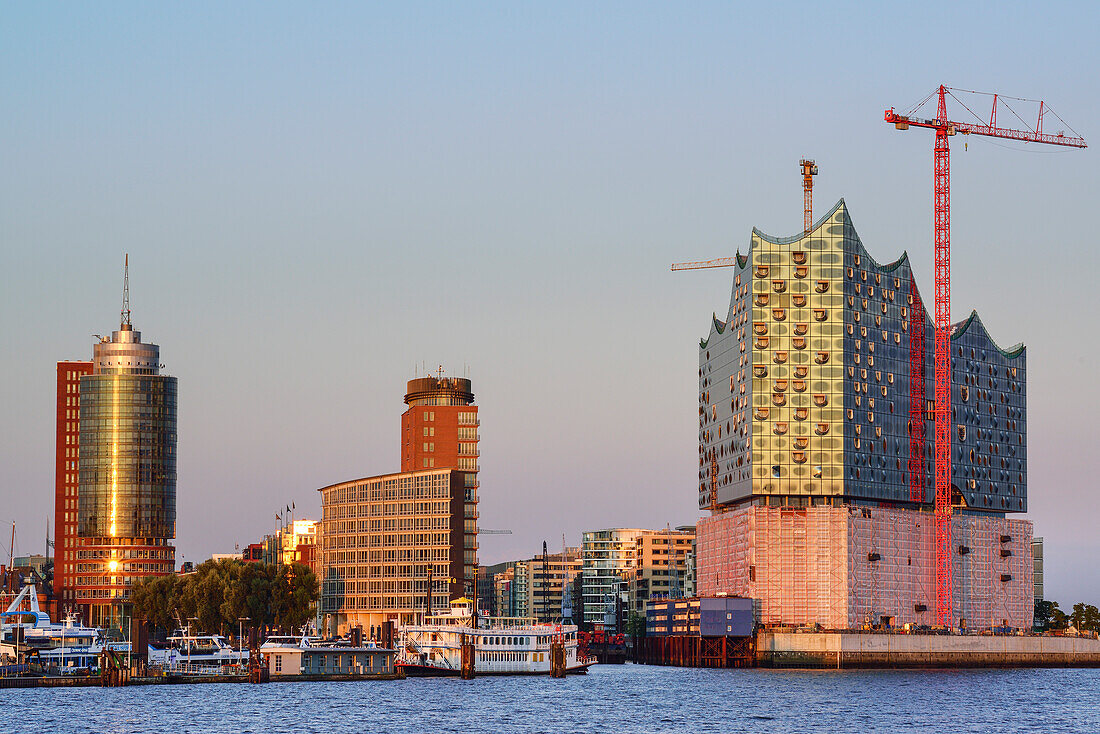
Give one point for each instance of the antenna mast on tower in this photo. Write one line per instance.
(126, 292)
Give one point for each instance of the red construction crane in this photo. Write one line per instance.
(809, 170)
(944, 129)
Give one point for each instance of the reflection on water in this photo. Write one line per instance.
(628, 698)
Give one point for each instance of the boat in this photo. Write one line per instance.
(63, 647)
(188, 653)
(309, 655)
(501, 645)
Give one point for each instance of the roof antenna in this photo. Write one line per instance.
(126, 294)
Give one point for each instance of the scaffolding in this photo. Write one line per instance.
(849, 567)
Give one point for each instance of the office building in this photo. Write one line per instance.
(658, 567)
(126, 503)
(606, 558)
(548, 577)
(384, 539)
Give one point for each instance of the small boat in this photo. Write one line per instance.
(501, 645)
(185, 653)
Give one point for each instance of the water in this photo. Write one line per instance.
(613, 699)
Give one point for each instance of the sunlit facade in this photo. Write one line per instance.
(816, 444)
(804, 388)
(127, 495)
(383, 539)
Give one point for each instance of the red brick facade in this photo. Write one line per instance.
(439, 437)
(67, 480)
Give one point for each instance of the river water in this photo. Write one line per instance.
(623, 698)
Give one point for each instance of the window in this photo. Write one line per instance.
(278, 663)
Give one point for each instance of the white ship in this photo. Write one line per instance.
(502, 645)
(198, 654)
(67, 645)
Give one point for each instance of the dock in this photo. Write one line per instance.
(856, 649)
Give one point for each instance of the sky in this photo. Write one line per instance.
(321, 201)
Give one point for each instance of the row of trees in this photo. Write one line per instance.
(219, 593)
(1082, 616)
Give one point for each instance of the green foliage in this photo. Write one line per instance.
(219, 593)
(635, 625)
(1085, 616)
(1082, 616)
(1044, 614)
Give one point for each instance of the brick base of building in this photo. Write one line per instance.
(844, 567)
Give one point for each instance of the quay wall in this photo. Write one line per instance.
(870, 650)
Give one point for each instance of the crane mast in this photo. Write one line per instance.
(809, 170)
(944, 129)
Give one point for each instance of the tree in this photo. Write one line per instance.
(1044, 614)
(1058, 620)
(155, 600)
(219, 593)
(1085, 616)
(635, 625)
(293, 592)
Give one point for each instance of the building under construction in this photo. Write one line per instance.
(816, 445)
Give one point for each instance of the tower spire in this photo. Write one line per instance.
(126, 294)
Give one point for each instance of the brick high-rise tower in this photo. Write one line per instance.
(440, 431)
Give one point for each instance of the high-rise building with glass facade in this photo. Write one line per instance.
(816, 443)
(126, 514)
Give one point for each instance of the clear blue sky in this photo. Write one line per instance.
(315, 199)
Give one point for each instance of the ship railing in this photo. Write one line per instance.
(185, 668)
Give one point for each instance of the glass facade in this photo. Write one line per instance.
(127, 456)
(804, 389)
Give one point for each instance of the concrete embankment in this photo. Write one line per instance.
(876, 650)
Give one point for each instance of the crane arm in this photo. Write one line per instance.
(722, 262)
(902, 122)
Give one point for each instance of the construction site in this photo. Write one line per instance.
(864, 458)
